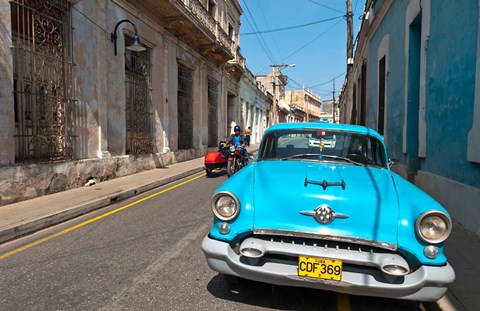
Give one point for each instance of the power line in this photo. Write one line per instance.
(265, 49)
(355, 8)
(320, 84)
(265, 19)
(91, 20)
(292, 27)
(310, 42)
(259, 37)
(295, 82)
(322, 5)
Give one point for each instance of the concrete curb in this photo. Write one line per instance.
(447, 303)
(20, 230)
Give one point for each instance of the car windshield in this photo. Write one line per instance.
(323, 145)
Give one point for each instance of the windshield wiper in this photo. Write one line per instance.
(342, 158)
(319, 157)
(301, 155)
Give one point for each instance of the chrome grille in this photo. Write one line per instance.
(354, 256)
(323, 243)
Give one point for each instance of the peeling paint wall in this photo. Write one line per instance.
(254, 107)
(7, 125)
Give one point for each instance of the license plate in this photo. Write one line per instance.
(320, 268)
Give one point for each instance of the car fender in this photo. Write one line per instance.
(412, 202)
(241, 185)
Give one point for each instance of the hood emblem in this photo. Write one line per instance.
(323, 214)
(325, 183)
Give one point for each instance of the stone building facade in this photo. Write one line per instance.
(80, 101)
(255, 105)
(305, 106)
(275, 83)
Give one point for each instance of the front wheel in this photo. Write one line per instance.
(230, 168)
(239, 164)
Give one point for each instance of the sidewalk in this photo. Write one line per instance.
(31, 215)
(463, 253)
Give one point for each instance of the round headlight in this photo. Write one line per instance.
(434, 226)
(225, 205)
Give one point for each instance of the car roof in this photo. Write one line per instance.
(325, 126)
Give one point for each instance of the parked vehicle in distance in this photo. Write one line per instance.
(333, 218)
(327, 141)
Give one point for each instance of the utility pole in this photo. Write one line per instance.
(274, 105)
(334, 108)
(307, 110)
(349, 91)
(276, 72)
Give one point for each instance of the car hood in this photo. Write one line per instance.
(285, 199)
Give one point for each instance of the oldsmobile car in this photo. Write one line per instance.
(335, 218)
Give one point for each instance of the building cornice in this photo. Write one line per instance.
(379, 16)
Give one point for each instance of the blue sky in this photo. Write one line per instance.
(318, 50)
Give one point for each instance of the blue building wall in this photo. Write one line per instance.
(450, 89)
(393, 25)
(449, 92)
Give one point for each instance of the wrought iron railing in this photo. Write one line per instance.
(207, 20)
(138, 101)
(45, 108)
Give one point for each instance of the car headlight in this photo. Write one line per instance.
(225, 205)
(434, 226)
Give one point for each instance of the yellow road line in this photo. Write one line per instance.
(343, 302)
(47, 238)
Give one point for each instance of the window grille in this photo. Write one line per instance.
(138, 101)
(44, 105)
(185, 107)
(212, 113)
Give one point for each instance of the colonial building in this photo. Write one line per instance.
(275, 83)
(305, 106)
(105, 88)
(255, 105)
(416, 80)
(328, 112)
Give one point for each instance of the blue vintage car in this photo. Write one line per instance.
(331, 216)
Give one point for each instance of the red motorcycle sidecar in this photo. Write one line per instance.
(216, 159)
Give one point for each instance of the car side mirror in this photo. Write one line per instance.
(392, 162)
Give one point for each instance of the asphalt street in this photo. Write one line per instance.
(144, 254)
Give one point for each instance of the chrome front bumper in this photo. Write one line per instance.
(428, 283)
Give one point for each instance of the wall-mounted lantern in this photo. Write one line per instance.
(136, 46)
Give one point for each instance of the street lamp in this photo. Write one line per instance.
(136, 46)
(276, 68)
(281, 66)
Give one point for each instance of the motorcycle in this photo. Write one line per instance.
(236, 160)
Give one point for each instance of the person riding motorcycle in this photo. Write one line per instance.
(238, 140)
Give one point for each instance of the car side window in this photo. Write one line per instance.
(268, 150)
(374, 152)
(378, 154)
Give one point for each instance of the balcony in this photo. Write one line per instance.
(190, 21)
(236, 66)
